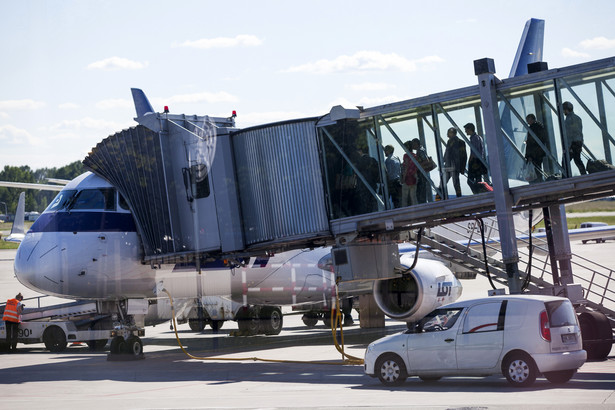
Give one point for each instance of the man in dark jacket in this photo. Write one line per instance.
(533, 150)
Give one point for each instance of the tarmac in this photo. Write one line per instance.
(168, 379)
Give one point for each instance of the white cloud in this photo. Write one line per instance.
(567, 52)
(598, 43)
(86, 123)
(117, 63)
(68, 106)
(4, 115)
(258, 118)
(113, 103)
(221, 96)
(223, 42)
(25, 104)
(370, 86)
(364, 61)
(365, 101)
(16, 136)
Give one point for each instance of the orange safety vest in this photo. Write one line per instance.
(11, 313)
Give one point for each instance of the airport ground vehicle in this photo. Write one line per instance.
(519, 336)
(593, 225)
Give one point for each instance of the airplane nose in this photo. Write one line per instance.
(34, 265)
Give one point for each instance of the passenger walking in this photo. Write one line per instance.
(12, 319)
(422, 185)
(409, 180)
(533, 151)
(574, 134)
(393, 167)
(476, 167)
(455, 157)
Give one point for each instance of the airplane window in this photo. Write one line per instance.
(61, 200)
(95, 199)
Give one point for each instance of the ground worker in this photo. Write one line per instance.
(12, 318)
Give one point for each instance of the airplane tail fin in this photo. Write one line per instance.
(530, 47)
(20, 216)
(142, 104)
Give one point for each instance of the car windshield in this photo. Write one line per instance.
(561, 313)
(438, 320)
(61, 200)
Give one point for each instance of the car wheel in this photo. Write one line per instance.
(428, 379)
(520, 370)
(584, 241)
(54, 339)
(391, 370)
(559, 377)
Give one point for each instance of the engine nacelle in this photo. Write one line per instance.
(411, 296)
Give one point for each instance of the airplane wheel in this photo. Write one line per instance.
(596, 326)
(117, 345)
(196, 325)
(271, 320)
(133, 346)
(216, 325)
(310, 319)
(54, 339)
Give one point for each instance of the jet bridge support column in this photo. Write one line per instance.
(485, 70)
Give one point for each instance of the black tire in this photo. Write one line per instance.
(430, 379)
(271, 320)
(519, 369)
(310, 319)
(596, 326)
(133, 346)
(99, 344)
(196, 325)
(248, 322)
(117, 345)
(216, 325)
(584, 241)
(54, 339)
(559, 377)
(391, 370)
(326, 319)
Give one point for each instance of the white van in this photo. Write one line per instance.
(516, 335)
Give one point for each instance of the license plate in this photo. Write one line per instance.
(569, 338)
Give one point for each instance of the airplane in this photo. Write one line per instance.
(18, 229)
(85, 246)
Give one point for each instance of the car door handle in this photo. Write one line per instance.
(449, 340)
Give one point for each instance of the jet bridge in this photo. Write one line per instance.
(200, 188)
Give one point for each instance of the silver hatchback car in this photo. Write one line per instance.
(519, 336)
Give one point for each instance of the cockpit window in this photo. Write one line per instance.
(61, 200)
(102, 198)
(123, 203)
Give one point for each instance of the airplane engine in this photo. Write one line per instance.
(412, 295)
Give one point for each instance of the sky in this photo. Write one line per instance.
(66, 67)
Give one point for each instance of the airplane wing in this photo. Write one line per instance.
(26, 185)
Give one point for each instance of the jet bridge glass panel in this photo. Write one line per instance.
(550, 144)
(353, 161)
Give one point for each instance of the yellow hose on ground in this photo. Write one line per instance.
(352, 361)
